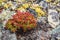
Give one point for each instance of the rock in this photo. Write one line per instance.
(53, 18)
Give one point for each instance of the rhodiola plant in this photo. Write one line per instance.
(24, 20)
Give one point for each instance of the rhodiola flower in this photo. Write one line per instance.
(24, 20)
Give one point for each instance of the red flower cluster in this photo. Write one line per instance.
(24, 20)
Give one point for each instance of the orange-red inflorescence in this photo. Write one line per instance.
(24, 20)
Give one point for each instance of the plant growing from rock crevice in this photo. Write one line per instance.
(24, 20)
